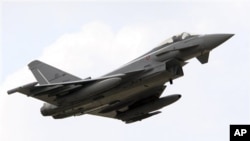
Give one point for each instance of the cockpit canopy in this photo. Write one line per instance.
(176, 38)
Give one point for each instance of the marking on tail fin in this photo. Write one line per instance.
(43, 76)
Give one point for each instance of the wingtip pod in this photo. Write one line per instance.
(12, 91)
(22, 89)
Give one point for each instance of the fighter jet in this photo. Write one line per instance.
(130, 93)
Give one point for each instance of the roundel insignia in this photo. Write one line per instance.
(147, 57)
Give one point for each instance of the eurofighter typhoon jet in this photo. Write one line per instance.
(130, 93)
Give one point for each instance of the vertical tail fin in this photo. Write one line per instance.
(46, 74)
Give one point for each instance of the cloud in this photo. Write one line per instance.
(94, 47)
(209, 91)
(92, 51)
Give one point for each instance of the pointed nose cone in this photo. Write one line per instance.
(214, 40)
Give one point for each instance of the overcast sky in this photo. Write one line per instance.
(93, 38)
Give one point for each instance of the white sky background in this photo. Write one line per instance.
(93, 38)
